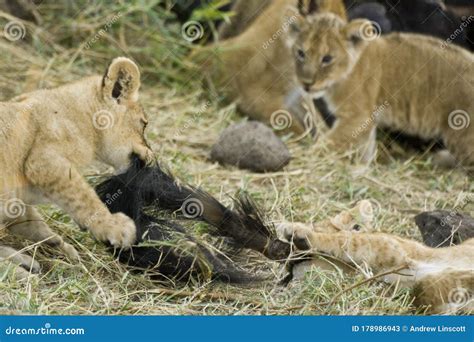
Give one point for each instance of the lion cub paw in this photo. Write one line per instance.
(298, 233)
(119, 231)
(70, 251)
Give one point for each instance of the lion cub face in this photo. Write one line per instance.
(121, 121)
(325, 49)
(356, 220)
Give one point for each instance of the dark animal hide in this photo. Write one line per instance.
(428, 17)
(167, 248)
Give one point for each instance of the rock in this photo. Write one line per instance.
(251, 145)
(443, 228)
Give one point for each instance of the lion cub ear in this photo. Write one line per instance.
(360, 32)
(121, 81)
(294, 24)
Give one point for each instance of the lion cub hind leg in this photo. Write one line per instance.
(32, 227)
(447, 292)
(62, 184)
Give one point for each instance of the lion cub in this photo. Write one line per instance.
(406, 82)
(443, 278)
(255, 67)
(46, 135)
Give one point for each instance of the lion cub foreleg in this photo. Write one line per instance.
(32, 227)
(58, 181)
(356, 125)
(356, 134)
(377, 251)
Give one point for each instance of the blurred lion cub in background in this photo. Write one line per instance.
(410, 83)
(255, 68)
(45, 135)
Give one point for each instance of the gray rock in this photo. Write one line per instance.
(251, 145)
(442, 228)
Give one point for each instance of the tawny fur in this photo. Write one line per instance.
(256, 69)
(442, 278)
(47, 135)
(244, 14)
(405, 82)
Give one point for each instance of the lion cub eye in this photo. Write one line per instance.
(357, 227)
(326, 60)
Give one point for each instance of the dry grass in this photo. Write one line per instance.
(314, 186)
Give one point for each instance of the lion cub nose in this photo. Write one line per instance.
(307, 86)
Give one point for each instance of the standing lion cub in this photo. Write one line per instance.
(255, 68)
(405, 82)
(46, 135)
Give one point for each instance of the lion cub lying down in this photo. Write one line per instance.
(46, 135)
(443, 278)
(415, 84)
